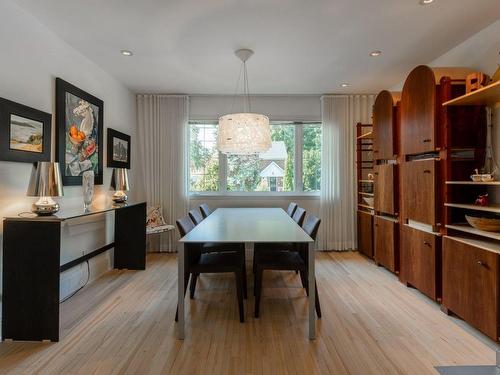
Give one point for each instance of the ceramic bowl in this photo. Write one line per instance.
(476, 177)
(484, 223)
(486, 177)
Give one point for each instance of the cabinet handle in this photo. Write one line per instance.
(375, 151)
(427, 140)
(427, 171)
(376, 173)
(427, 243)
(480, 263)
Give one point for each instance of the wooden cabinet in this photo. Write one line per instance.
(420, 191)
(386, 239)
(419, 130)
(385, 191)
(384, 127)
(365, 233)
(470, 284)
(421, 261)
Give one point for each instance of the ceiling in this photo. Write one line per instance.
(301, 47)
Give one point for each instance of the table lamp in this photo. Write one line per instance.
(45, 182)
(119, 183)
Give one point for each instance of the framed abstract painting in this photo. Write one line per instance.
(79, 119)
(118, 149)
(25, 133)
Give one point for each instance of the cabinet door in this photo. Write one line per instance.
(420, 260)
(470, 286)
(418, 112)
(385, 243)
(418, 187)
(383, 126)
(385, 194)
(365, 233)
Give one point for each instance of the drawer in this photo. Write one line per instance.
(384, 188)
(419, 191)
(470, 284)
(421, 261)
(385, 240)
(365, 233)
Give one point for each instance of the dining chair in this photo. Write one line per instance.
(299, 215)
(205, 210)
(195, 216)
(291, 208)
(288, 261)
(196, 262)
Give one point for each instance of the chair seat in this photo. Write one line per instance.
(280, 260)
(218, 262)
(221, 247)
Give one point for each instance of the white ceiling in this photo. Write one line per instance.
(301, 46)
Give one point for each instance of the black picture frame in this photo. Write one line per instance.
(93, 141)
(112, 160)
(9, 109)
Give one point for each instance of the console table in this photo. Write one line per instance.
(31, 266)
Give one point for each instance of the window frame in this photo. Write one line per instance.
(298, 169)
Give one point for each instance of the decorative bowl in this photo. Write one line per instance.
(484, 223)
(476, 177)
(368, 201)
(487, 177)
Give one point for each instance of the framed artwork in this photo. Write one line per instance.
(25, 133)
(118, 149)
(79, 119)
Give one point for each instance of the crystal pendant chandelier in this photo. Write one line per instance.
(244, 133)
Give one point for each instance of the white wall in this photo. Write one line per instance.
(31, 58)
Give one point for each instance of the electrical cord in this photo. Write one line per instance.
(80, 288)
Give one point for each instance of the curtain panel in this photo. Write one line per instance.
(163, 140)
(340, 113)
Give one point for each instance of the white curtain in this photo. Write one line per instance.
(340, 113)
(163, 135)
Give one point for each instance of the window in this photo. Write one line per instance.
(295, 151)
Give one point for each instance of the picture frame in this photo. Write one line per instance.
(25, 133)
(118, 149)
(79, 135)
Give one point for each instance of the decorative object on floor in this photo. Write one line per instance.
(244, 133)
(119, 183)
(156, 225)
(482, 200)
(87, 189)
(488, 224)
(79, 118)
(25, 133)
(475, 81)
(118, 149)
(45, 182)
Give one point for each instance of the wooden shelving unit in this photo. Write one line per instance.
(479, 183)
(466, 228)
(485, 96)
(473, 207)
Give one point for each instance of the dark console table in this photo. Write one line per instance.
(31, 266)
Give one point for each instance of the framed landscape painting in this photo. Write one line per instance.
(79, 118)
(118, 153)
(25, 133)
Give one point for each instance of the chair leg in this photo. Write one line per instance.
(244, 275)
(186, 280)
(258, 290)
(318, 307)
(303, 279)
(192, 285)
(239, 292)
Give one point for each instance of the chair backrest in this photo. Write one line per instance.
(299, 215)
(311, 226)
(195, 216)
(291, 208)
(185, 225)
(205, 210)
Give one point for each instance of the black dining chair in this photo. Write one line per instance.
(205, 210)
(291, 208)
(288, 261)
(195, 216)
(196, 262)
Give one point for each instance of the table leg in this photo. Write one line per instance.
(312, 292)
(180, 291)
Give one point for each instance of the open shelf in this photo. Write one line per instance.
(366, 194)
(466, 228)
(472, 183)
(366, 181)
(366, 136)
(488, 95)
(365, 206)
(492, 208)
(482, 244)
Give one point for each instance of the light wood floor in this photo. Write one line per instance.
(372, 324)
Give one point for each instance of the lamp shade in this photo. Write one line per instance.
(119, 179)
(244, 134)
(45, 180)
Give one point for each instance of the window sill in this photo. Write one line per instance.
(256, 195)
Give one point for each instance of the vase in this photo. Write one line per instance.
(88, 189)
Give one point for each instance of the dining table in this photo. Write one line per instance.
(248, 226)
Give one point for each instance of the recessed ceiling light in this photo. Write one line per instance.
(426, 2)
(375, 53)
(126, 52)
(344, 84)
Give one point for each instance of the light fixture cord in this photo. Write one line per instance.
(236, 89)
(247, 88)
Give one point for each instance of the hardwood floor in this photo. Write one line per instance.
(123, 323)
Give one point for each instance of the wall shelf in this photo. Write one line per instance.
(493, 208)
(488, 95)
(366, 181)
(466, 228)
(485, 245)
(366, 194)
(365, 136)
(491, 183)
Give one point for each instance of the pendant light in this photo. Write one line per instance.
(244, 133)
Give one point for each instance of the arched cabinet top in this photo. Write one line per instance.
(384, 126)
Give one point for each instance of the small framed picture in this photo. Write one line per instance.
(118, 149)
(25, 133)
